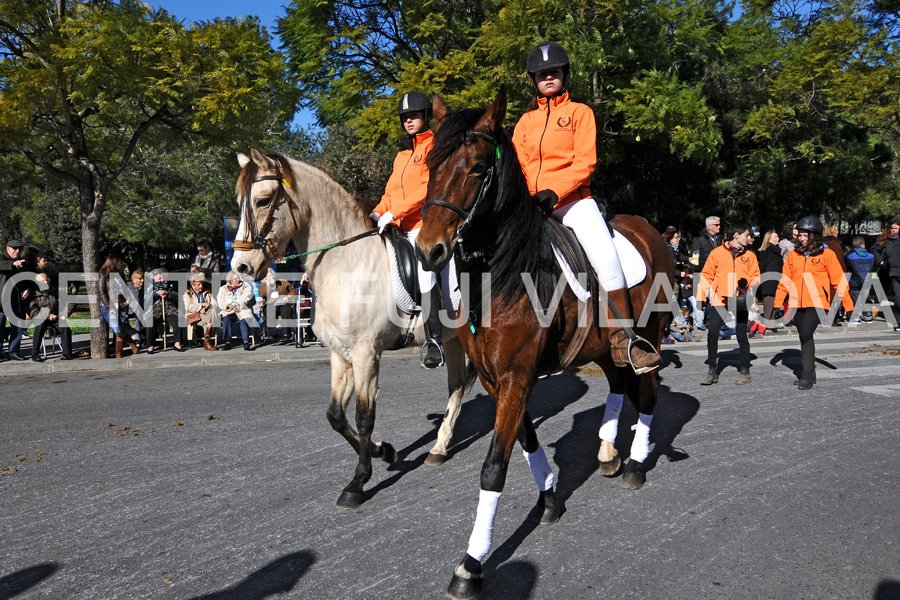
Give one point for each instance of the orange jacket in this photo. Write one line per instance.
(809, 280)
(557, 148)
(404, 193)
(723, 270)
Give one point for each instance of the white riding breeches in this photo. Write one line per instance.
(585, 219)
(427, 279)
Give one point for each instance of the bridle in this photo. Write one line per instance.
(260, 240)
(468, 215)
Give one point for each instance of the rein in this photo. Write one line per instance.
(468, 215)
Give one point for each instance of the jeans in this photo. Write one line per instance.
(228, 322)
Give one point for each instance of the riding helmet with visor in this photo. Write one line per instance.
(812, 224)
(548, 55)
(414, 102)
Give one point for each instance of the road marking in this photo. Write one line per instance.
(889, 391)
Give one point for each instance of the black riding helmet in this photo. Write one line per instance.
(414, 102)
(812, 224)
(548, 55)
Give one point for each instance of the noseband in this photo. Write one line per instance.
(260, 239)
(468, 215)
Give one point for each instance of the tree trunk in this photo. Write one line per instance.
(90, 243)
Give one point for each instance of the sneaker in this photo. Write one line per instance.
(711, 378)
(667, 340)
(743, 379)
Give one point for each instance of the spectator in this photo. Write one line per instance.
(112, 308)
(235, 301)
(43, 309)
(860, 262)
(200, 308)
(888, 236)
(771, 262)
(705, 243)
(788, 238)
(681, 328)
(206, 260)
(133, 307)
(277, 293)
(165, 310)
(891, 264)
(809, 299)
(683, 279)
(304, 310)
(830, 238)
(12, 262)
(730, 274)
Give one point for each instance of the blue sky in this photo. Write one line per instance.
(205, 10)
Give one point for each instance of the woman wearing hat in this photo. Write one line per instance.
(810, 276)
(13, 262)
(556, 142)
(402, 204)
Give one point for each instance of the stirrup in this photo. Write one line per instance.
(424, 349)
(639, 340)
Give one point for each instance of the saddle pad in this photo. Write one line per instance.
(633, 265)
(404, 301)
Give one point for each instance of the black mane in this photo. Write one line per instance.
(512, 233)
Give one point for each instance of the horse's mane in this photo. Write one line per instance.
(513, 233)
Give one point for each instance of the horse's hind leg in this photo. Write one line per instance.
(541, 470)
(455, 359)
(608, 457)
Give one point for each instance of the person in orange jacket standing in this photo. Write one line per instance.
(556, 143)
(810, 276)
(402, 203)
(730, 274)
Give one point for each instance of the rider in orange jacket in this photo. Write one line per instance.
(556, 142)
(731, 271)
(811, 274)
(402, 203)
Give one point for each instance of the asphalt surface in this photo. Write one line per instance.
(166, 476)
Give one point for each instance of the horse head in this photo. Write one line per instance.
(462, 167)
(269, 214)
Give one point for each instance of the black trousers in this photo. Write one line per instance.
(717, 315)
(806, 320)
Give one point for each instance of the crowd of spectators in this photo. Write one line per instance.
(203, 308)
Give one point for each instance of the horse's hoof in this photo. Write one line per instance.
(611, 468)
(388, 454)
(549, 508)
(350, 499)
(433, 460)
(633, 478)
(465, 585)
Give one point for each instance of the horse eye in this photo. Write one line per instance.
(263, 202)
(478, 169)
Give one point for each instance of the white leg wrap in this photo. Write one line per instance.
(611, 417)
(483, 530)
(640, 447)
(540, 468)
(585, 219)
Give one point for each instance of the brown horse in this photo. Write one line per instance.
(480, 211)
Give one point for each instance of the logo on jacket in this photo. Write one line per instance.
(745, 259)
(418, 158)
(816, 260)
(564, 121)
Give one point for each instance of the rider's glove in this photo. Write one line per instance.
(545, 201)
(384, 220)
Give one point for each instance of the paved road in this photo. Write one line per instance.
(219, 481)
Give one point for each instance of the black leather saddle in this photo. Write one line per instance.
(406, 261)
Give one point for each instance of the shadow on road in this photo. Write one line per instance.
(277, 577)
(15, 583)
(511, 581)
(791, 358)
(888, 589)
(673, 411)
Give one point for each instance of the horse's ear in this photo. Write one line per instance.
(439, 109)
(493, 117)
(260, 159)
(243, 159)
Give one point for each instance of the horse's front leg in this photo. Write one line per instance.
(541, 470)
(455, 360)
(468, 576)
(645, 389)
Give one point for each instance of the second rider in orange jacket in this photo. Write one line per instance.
(402, 204)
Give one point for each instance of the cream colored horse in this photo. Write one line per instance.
(356, 317)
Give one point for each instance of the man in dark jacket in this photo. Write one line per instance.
(12, 262)
(706, 242)
(891, 254)
(860, 262)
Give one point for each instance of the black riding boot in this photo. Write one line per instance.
(432, 351)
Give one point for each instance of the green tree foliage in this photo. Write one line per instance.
(85, 82)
